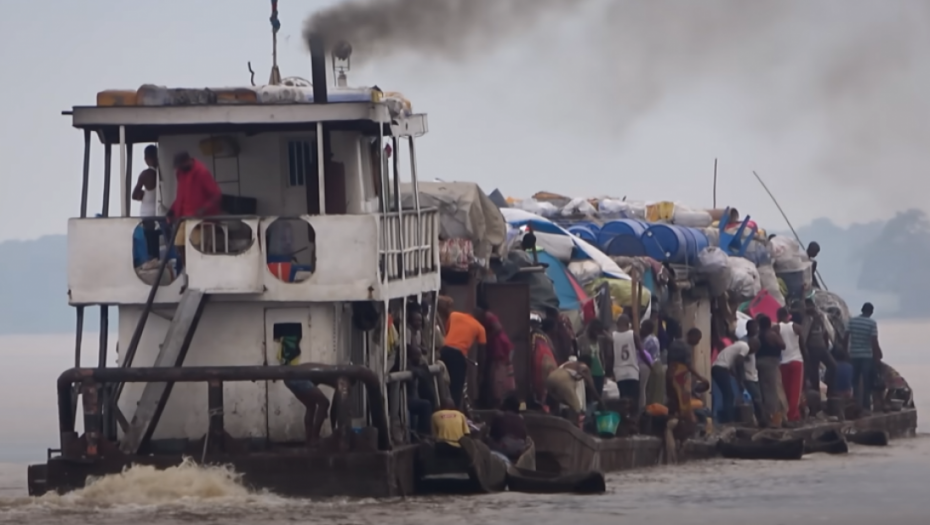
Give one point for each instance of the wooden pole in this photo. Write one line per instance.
(636, 291)
(785, 216)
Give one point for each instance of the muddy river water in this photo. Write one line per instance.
(868, 486)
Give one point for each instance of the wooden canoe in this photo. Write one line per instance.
(533, 482)
(470, 469)
(791, 449)
(869, 438)
(830, 442)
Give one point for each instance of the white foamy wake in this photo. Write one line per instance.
(187, 486)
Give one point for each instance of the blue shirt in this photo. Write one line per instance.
(861, 331)
(842, 380)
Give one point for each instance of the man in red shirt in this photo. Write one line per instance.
(198, 195)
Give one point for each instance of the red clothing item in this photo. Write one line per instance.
(792, 378)
(196, 190)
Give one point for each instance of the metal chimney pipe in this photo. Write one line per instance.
(318, 69)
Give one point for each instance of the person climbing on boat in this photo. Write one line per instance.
(287, 337)
(752, 373)
(198, 195)
(559, 329)
(144, 193)
(595, 349)
(730, 364)
(420, 394)
(499, 357)
(768, 364)
(571, 384)
(463, 332)
(813, 250)
(543, 362)
(651, 354)
(792, 362)
(680, 380)
(627, 349)
(508, 435)
(449, 424)
(817, 342)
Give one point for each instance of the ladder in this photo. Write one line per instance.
(171, 354)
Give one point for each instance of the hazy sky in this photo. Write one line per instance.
(825, 101)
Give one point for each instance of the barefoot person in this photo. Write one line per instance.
(287, 337)
(679, 381)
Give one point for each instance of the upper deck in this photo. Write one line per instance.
(348, 237)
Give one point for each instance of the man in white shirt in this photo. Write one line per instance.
(144, 193)
(730, 363)
(627, 347)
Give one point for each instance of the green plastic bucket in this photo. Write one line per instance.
(607, 423)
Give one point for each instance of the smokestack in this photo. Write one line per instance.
(318, 68)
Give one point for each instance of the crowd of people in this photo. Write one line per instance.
(651, 370)
(782, 363)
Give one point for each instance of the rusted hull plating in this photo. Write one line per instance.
(349, 463)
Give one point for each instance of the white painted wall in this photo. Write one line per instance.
(261, 169)
(100, 267)
(237, 334)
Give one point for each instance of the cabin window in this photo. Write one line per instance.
(300, 160)
(223, 237)
(290, 247)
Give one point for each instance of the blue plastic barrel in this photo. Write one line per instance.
(674, 244)
(666, 242)
(697, 241)
(626, 246)
(611, 229)
(584, 233)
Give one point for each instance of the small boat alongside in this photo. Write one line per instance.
(830, 442)
(534, 482)
(786, 450)
(869, 438)
(470, 468)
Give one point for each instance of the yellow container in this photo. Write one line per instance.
(236, 96)
(660, 211)
(116, 97)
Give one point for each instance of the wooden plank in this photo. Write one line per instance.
(172, 353)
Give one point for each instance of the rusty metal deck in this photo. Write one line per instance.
(352, 462)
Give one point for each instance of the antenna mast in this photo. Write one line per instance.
(275, 26)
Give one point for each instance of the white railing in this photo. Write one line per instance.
(410, 241)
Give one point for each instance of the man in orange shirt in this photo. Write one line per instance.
(463, 332)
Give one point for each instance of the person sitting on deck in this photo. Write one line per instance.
(449, 424)
(198, 195)
(463, 332)
(287, 336)
(508, 434)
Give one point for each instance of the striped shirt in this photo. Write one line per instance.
(861, 331)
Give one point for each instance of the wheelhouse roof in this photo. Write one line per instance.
(147, 123)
